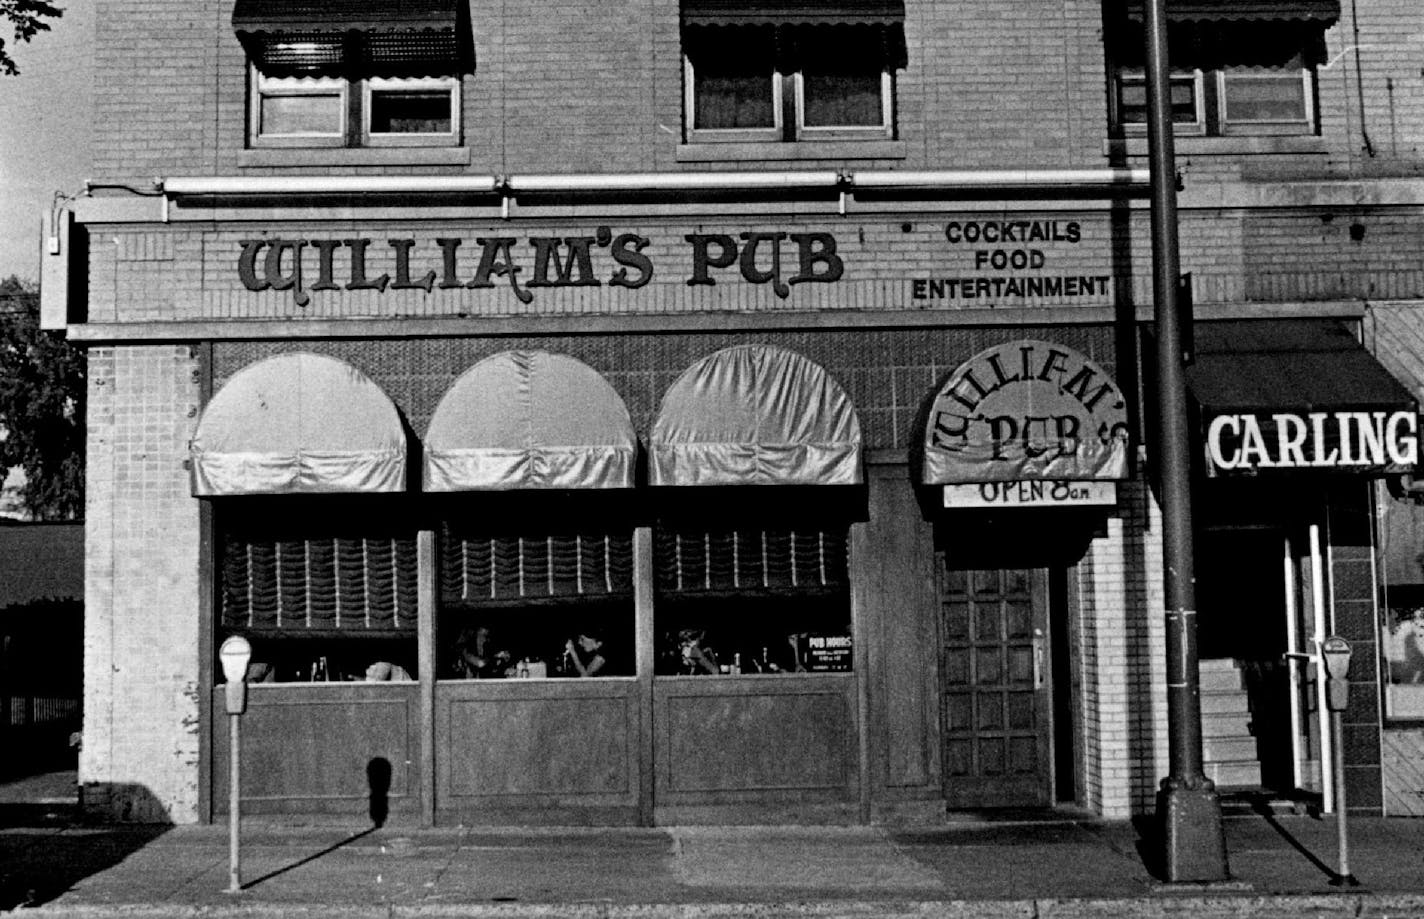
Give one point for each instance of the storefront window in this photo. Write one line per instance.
(325, 588)
(535, 604)
(753, 596)
(1403, 646)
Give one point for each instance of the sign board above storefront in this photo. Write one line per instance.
(1344, 441)
(1033, 493)
(1027, 410)
(307, 266)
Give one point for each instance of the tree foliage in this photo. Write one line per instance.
(26, 18)
(41, 406)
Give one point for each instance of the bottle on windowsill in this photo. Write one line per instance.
(319, 672)
(737, 662)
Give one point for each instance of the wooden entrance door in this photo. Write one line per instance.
(995, 686)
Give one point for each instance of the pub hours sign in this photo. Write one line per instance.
(1027, 409)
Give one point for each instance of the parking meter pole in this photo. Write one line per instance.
(234, 655)
(234, 812)
(1335, 669)
(1344, 878)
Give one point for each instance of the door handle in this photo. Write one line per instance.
(1038, 658)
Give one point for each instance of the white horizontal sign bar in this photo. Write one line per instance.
(1031, 493)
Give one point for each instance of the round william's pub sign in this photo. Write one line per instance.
(1027, 410)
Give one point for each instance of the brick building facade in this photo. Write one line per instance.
(594, 182)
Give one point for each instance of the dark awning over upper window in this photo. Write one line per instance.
(314, 33)
(792, 12)
(1298, 395)
(1323, 11)
(343, 15)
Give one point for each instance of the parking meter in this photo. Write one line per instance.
(235, 654)
(1336, 653)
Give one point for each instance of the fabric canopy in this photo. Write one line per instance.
(755, 415)
(1026, 409)
(792, 12)
(1284, 396)
(1300, 365)
(530, 419)
(298, 423)
(1324, 11)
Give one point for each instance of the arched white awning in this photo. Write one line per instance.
(530, 419)
(298, 423)
(755, 415)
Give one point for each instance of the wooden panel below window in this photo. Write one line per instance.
(337, 747)
(527, 749)
(771, 738)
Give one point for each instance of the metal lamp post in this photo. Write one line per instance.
(235, 654)
(1188, 806)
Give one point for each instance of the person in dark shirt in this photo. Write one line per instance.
(585, 655)
(477, 658)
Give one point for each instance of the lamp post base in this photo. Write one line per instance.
(1194, 846)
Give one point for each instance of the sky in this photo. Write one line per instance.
(45, 135)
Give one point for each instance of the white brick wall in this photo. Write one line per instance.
(140, 755)
(1121, 646)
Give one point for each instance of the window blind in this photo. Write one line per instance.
(480, 568)
(344, 583)
(782, 560)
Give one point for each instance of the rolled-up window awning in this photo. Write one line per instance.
(530, 419)
(755, 415)
(792, 12)
(304, 34)
(1321, 11)
(298, 423)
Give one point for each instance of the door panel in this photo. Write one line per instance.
(996, 711)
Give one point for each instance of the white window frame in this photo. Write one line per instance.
(264, 87)
(373, 85)
(729, 135)
(1231, 125)
(1126, 75)
(846, 132)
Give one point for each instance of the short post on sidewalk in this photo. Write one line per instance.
(235, 654)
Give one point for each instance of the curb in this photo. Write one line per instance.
(1166, 906)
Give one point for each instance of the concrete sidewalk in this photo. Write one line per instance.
(1281, 866)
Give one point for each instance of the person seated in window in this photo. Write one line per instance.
(584, 656)
(476, 657)
(385, 671)
(696, 656)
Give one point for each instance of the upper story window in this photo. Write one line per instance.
(343, 74)
(790, 71)
(1228, 76)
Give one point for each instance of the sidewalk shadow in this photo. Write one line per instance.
(1260, 804)
(310, 858)
(47, 848)
(1150, 845)
(378, 777)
